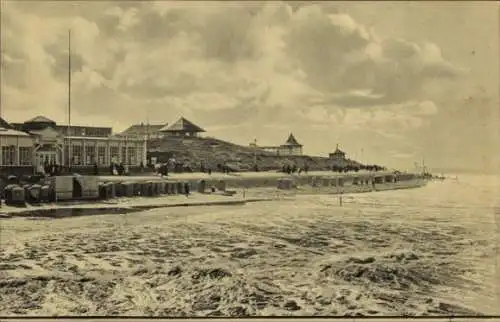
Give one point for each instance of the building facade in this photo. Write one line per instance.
(41, 141)
(291, 147)
(16, 148)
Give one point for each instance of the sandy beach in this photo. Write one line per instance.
(380, 254)
(247, 187)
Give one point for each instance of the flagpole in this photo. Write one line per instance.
(69, 99)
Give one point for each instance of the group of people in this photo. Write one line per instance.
(356, 168)
(289, 169)
(172, 165)
(116, 169)
(49, 169)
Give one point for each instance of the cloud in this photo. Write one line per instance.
(427, 108)
(127, 17)
(257, 65)
(166, 50)
(390, 120)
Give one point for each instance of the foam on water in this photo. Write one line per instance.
(430, 251)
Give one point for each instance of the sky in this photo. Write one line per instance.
(392, 83)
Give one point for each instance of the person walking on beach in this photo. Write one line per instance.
(186, 189)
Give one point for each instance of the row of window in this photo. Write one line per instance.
(86, 131)
(127, 155)
(9, 155)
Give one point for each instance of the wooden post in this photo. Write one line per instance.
(339, 192)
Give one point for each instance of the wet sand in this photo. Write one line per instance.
(429, 251)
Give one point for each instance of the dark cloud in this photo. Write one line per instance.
(153, 26)
(108, 24)
(319, 46)
(339, 55)
(136, 47)
(61, 61)
(228, 34)
(149, 87)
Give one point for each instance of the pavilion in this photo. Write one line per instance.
(291, 146)
(182, 127)
(337, 155)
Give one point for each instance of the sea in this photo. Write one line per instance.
(427, 251)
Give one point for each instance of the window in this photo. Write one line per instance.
(77, 154)
(89, 154)
(114, 154)
(51, 158)
(25, 155)
(132, 157)
(8, 155)
(66, 154)
(123, 157)
(101, 155)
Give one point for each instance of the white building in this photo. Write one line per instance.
(40, 141)
(16, 148)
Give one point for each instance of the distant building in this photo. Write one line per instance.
(337, 155)
(291, 147)
(16, 147)
(50, 142)
(182, 127)
(147, 131)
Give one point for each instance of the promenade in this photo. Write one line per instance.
(248, 187)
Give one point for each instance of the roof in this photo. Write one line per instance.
(11, 132)
(40, 119)
(47, 132)
(144, 128)
(182, 125)
(113, 137)
(64, 126)
(292, 141)
(4, 124)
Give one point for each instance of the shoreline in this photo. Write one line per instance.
(386, 254)
(243, 196)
